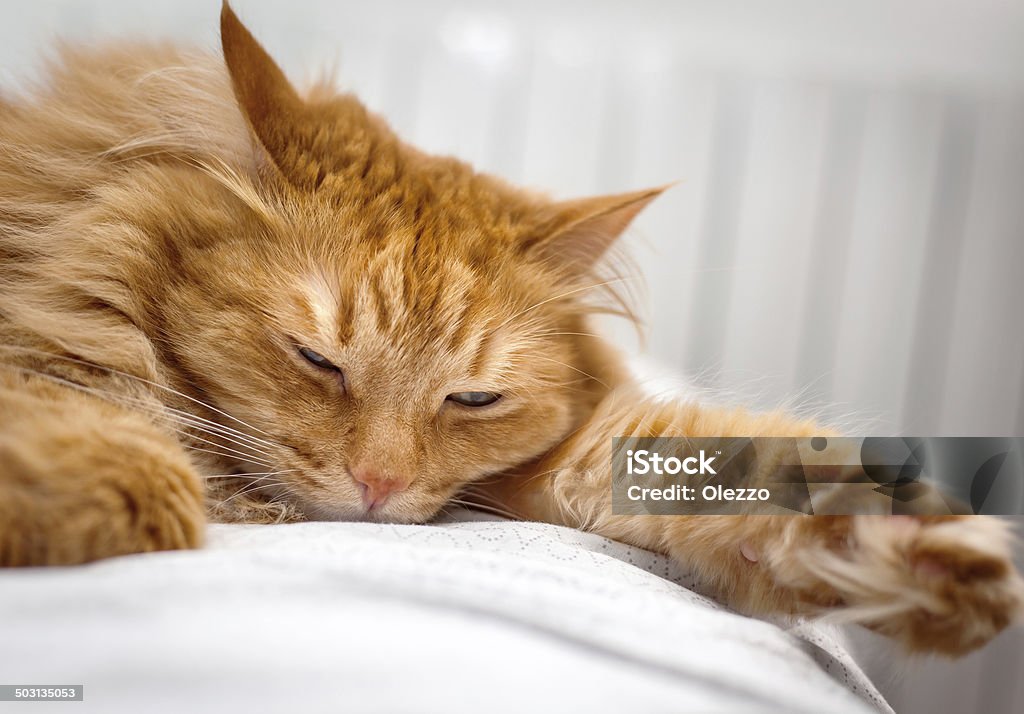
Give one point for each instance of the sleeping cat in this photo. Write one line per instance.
(221, 298)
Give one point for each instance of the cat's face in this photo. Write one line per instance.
(421, 359)
(390, 326)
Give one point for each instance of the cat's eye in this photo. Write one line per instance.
(474, 399)
(317, 359)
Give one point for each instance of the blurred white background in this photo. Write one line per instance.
(848, 230)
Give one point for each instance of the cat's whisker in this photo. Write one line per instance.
(251, 488)
(475, 494)
(234, 475)
(221, 454)
(240, 447)
(160, 413)
(473, 490)
(139, 379)
(192, 423)
(125, 401)
(186, 420)
(283, 496)
(244, 450)
(214, 430)
(493, 478)
(251, 477)
(256, 441)
(568, 334)
(474, 499)
(485, 507)
(224, 449)
(576, 369)
(560, 296)
(260, 477)
(535, 477)
(221, 430)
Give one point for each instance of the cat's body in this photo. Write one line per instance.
(203, 275)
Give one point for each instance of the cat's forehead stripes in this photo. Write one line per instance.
(420, 312)
(412, 316)
(323, 301)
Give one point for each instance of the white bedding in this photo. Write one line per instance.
(469, 615)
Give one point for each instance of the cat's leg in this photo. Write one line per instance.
(82, 479)
(942, 584)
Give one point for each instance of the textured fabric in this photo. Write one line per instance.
(471, 614)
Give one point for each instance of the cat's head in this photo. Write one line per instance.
(395, 324)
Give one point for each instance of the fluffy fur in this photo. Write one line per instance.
(174, 226)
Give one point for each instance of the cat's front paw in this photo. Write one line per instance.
(91, 492)
(944, 585)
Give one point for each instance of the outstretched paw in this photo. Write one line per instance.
(938, 584)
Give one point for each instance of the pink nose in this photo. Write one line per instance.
(377, 487)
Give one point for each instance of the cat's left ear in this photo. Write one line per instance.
(273, 108)
(582, 230)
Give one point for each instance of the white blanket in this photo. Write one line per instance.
(469, 615)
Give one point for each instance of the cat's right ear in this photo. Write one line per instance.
(273, 108)
(582, 230)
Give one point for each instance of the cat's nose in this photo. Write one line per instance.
(377, 487)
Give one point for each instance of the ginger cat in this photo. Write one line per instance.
(208, 279)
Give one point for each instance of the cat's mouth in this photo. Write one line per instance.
(348, 498)
(345, 493)
(316, 511)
